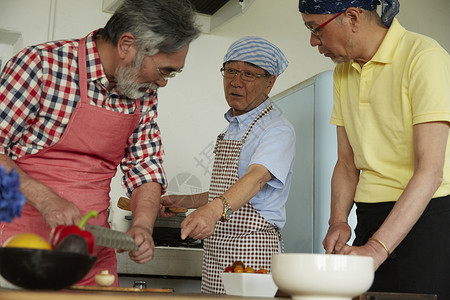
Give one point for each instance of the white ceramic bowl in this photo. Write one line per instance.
(249, 284)
(306, 276)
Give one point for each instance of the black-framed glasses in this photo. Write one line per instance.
(316, 30)
(165, 76)
(245, 75)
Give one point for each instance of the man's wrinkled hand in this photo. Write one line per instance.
(199, 224)
(58, 211)
(143, 238)
(337, 237)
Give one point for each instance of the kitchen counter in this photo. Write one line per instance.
(13, 294)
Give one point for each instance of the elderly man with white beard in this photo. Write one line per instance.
(73, 110)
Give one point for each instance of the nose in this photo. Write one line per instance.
(161, 82)
(237, 80)
(314, 40)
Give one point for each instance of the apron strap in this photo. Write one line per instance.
(262, 114)
(82, 74)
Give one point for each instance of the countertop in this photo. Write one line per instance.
(14, 294)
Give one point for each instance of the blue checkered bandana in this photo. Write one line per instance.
(258, 51)
(389, 8)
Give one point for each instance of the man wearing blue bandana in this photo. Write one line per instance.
(392, 112)
(241, 216)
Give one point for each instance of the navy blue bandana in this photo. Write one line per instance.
(389, 8)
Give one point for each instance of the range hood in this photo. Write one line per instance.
(210, 13)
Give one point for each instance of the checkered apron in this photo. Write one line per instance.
(247, 237)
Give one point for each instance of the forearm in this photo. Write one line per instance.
(430, 140)
(408, 208)
(201, 223)
(243, 190)
(343, 187)
(187, 201)
(344, 180)
(145, 203)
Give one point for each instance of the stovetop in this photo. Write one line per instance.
(171, 237)
(167, 233)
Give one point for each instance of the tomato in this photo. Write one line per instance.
(262, 271)
(238, 269)
(238, 264)
(228, 269)
(249, 270)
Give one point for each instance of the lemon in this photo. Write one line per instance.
(27, 240)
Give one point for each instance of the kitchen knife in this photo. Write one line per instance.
(125, 204)
(111, 238)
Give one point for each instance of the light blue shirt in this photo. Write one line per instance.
(271, 143)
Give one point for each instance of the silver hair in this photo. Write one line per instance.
(157, 25)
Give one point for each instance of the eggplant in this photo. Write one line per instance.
(73, 243)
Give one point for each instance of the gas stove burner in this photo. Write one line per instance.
(188, 243)
(170, 237)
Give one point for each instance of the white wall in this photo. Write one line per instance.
(192, 105)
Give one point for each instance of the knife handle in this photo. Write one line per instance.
(124, 203)
(176, 209)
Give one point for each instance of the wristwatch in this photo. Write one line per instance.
(227, 211)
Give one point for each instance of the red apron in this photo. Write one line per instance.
(247, 237)
(79, 168)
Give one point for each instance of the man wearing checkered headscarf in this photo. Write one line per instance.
(391, 109)
(252, 168)
(258, 51)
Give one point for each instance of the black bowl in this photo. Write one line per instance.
(43, 269)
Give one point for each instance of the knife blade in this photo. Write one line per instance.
(111, 238)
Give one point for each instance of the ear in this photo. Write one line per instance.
(126, 45)
(354, 17)
(270, 83)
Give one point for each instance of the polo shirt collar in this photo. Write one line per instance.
(386, 51)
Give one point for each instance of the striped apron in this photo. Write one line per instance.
(247, 237)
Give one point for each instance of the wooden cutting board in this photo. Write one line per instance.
(119, 289)
(394, 296)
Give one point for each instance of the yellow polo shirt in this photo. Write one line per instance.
(406, 82)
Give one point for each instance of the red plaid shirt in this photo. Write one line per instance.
(39, 91)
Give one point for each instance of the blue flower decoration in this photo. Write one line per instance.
(11, 198)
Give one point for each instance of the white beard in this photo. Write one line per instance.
(127, 79)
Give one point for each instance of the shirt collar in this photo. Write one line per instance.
(247, 118)
(386, 51)
(94, 66)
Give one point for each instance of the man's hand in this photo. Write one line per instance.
(58, 211)
(337, 237)
(200, 224)
(371, 248)
(143, 238)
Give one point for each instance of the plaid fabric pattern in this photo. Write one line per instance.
(247, 237)
(38, 94)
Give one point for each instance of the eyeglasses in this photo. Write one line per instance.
(165, 76)
(316, 31)
(245, 75)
